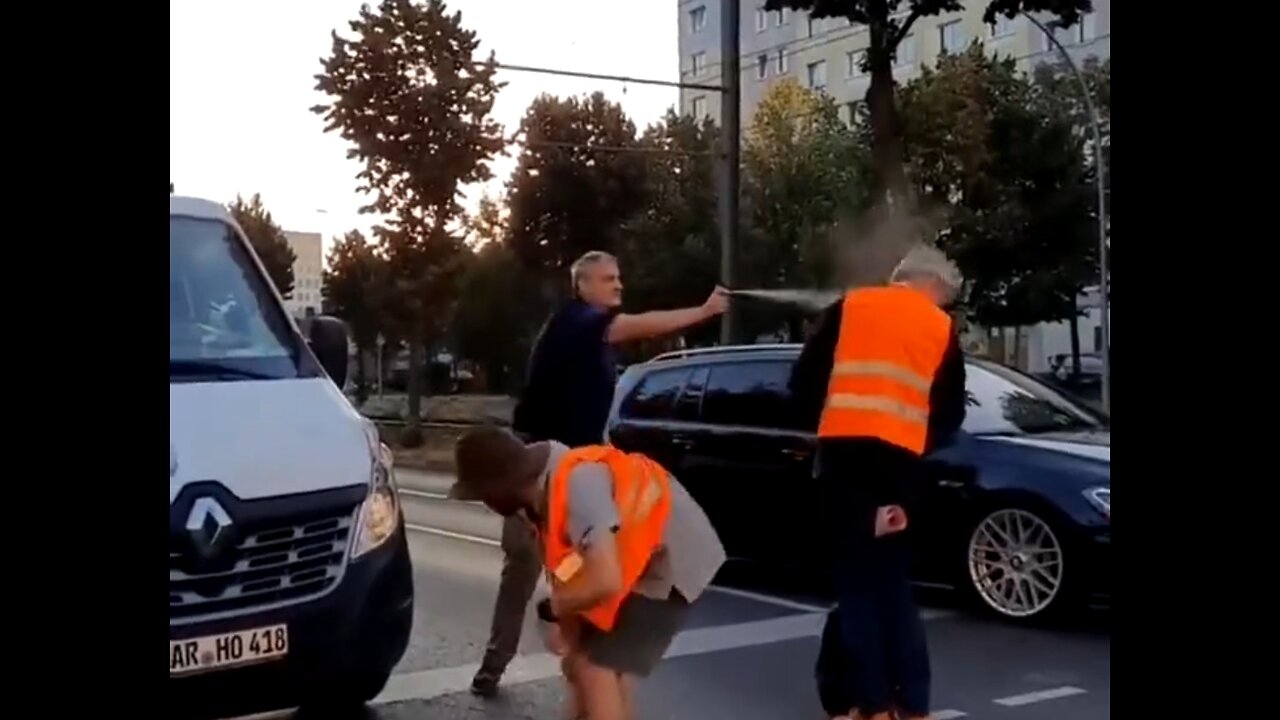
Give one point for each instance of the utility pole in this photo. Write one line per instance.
(731, 140)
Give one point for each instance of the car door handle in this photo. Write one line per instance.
(682, 442)
(796, 453)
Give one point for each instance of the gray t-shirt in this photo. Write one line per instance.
(690, 554)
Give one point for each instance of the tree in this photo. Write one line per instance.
(888, 22)
(1058, 92)
(1011, 176)
(803, 171)
(497, 316)
(670, 248)
(353, 282)
(268, 240)
(407, 94)
(575, 184)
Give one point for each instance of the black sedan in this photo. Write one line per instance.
(1016, 509)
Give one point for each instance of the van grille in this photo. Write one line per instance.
(273, 565)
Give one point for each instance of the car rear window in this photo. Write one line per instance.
(751, 394)
(655, 395)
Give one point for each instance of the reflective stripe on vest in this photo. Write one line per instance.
(891, 343)
(642, 493)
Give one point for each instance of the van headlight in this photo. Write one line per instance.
(379, 516)
(1100, 498)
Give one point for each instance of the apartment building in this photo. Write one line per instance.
(826, 54)
(308, 265)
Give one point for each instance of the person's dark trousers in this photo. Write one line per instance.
(833, 671)
(887, 659)
(521, 564)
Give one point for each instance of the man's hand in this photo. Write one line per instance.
(717, 303)
(890, 519)
(657, 323)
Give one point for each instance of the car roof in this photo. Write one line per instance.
(198, 208)
(735, 353)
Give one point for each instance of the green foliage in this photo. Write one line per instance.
(888, 22)
(670, 250)
(353, 282)
(405, 92)
(1011, 175)
(803, 171)
(268, 240)
(1058, 93)
(567, 197)
(497, 316)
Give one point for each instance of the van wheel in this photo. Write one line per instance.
(1016, 564)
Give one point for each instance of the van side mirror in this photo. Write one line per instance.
(328, 338)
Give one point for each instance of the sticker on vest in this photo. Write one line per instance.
(568, 567)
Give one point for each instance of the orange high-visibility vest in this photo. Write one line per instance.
(892, 340)
(642, 492)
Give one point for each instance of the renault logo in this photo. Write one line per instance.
(209, 526)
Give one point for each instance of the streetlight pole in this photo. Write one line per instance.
(730, 137)
(1100, 176)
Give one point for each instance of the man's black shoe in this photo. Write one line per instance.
(485, 686)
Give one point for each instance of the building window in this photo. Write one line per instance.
(811, 28)
(905, 55)
(852, 112)
(1097, 338)
(817, 74)
(1002, 27)
(697, 19)
(853, 63)
(1088, 27)
(951, 35)
(762, 19)
(782, 62)
(1085, 30)
(699, 108)
(699, 63)
(782, 17)
(762, 67)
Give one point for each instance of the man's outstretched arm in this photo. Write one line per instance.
(640, 326)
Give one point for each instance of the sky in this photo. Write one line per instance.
(241, 85)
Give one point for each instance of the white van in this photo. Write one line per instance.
(289, 575)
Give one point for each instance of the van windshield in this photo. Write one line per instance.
(224, 321)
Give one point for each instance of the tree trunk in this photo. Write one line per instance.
(888, 177)
(414, 421)
(1017, 347)
(362, 379)
(1075, 340)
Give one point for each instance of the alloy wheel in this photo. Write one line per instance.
(1015, 563)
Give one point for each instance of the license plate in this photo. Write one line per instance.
(215, 652)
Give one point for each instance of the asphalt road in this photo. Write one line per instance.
(746, 654)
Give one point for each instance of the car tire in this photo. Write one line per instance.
(1017, 564)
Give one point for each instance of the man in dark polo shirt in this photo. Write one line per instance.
(566, 398)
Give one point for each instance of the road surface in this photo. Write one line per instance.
(746, 654)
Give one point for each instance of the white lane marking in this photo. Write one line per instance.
(947, 714)
(1039, 696)
(529, 668)
(423, 494)
(925, 613)
(781, 602)
(455, 535)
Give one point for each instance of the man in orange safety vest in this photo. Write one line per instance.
(883, 379)
(626, 549)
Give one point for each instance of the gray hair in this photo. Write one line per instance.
(588, 260)
(928, 262)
